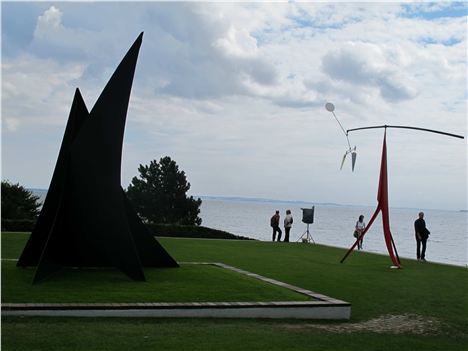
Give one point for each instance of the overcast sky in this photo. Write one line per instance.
(235, 94)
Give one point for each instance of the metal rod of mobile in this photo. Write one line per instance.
(408, 127)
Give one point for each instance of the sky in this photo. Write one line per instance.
(235, 94)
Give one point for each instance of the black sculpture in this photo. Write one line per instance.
(86, 219)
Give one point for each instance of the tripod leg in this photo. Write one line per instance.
(309, 238)
(301, 236)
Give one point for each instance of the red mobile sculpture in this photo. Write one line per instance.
(382, 206)
(382, 193)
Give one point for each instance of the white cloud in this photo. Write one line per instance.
(50, 20)
(37, 91)
(237, 42)
(236, 91)
(367, 64)
(427, 6)
(11, 124)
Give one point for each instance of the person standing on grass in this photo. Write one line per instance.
(422, 234)
(288, 221)
(358, 230)
(274, 222)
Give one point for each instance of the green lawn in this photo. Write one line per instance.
(189, 283)
(431, 291)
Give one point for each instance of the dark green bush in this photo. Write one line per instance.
(18, 202)
(191, 231)
(18, 225)
(170, 230)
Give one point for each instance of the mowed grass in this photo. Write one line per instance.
(432, 291)
(188, 283)
(115, 334)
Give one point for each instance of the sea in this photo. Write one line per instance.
(334, 225)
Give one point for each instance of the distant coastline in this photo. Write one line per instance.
(43, 192)
(259, 199)
(307, 203)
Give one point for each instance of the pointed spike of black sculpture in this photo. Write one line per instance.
(38, 238)
(107, 123)
(96, 162)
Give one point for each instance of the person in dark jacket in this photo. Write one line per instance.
(274, 222)
(422, 234)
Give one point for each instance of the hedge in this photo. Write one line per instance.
(191, 231)
(170, 230)
(18, 225)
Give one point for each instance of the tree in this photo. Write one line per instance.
(18, 202)
(159, 194)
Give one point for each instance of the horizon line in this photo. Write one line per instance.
(261, 199)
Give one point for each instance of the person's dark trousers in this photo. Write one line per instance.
(277, 229)
(360, 244)
(286, 234)
(421, 254)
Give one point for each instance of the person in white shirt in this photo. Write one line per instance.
(288, 221)
(359, 229)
